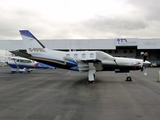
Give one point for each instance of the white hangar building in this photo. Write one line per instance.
(122, 47)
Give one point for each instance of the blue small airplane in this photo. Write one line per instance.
(20, 64)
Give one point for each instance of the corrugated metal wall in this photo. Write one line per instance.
(101, 44)
(63, 44)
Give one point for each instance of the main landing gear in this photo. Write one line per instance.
(128, 78)
(91, 73)
(91, 76)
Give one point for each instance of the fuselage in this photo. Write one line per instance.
(21, 63)
(74, 59)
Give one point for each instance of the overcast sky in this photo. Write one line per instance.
(103, 19)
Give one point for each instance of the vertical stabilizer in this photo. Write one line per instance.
(31, 43)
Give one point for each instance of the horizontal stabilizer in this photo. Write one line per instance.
(20, 53)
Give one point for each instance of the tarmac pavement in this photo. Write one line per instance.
(65, 95)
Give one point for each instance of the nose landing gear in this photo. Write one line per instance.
(128, 78)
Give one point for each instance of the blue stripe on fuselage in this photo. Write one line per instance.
(64, 64)
(40, 65)
(55, 62)
(71, 61)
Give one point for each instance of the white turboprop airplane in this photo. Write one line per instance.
(20, 64)
(82, 61)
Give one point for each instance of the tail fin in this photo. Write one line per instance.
(31, 43)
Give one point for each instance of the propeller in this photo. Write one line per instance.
(145, 63)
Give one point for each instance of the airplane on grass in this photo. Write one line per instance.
(20, 64)
(82, 61)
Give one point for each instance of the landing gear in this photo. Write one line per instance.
(91, 73)
(90, 81)
(13, 70)
(91, 76)
(128, 78)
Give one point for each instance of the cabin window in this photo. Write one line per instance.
(83, 55)
(91, 55)
(75, 55)
(68, 55)
(29, 61)
(21, 61)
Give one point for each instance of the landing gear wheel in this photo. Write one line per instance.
(128, 78)
(90, 81)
